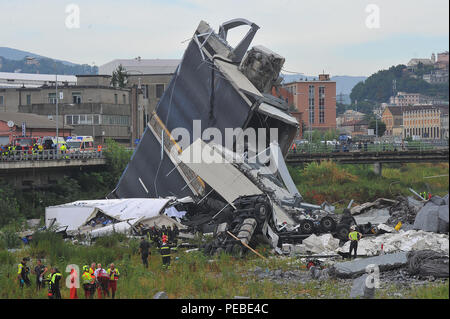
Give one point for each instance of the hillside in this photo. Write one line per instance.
(12, 60)
(378, 87)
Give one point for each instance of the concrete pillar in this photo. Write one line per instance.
(377, 168)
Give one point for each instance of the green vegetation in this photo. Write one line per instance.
(333, 183)
(192, 275)
(317, 136)
(378, 87)
(119, 77)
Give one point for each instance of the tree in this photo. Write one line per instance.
(381, 126)
(119, 77)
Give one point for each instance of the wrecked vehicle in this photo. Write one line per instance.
(96, 218)
(232, 89)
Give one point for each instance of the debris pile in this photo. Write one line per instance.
(433, 216)
(428, 263)
(400, 241)
(404, 211)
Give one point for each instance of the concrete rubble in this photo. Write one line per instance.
(352, 269)
(360, 288)
(433, 216)
(400, 241)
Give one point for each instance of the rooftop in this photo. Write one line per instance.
(31, 120)
(143, 66)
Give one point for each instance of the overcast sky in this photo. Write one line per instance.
(313, 36)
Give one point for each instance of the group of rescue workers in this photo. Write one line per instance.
(10, 150)
(165, 239)
(94, 277)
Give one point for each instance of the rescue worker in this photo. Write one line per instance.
(40, 149)
(144, 250)
(174, 238)
(102, 281)
(354, 236)
(54, 291)
(165, 253)
(22, 273)
(92, 269)
(99, 148)
(39, 271)
(113, 278)
(88, 281)
(63, 149)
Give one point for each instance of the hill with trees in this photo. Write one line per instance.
(379, 86)
(12, 60)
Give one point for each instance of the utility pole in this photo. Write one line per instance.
(56, 93)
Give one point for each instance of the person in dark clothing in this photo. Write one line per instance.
(22, 273)
(40, 271)
(165, 253)
(354, 236)
(144, 248)
(54, 291)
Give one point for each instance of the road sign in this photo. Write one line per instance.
(10, 123)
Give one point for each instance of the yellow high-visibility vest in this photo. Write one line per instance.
(114, 276)
(353, 235)
(87, 278)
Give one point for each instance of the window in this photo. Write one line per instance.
(75, 119)
(144, 91)
(69, 119)
(311, 101)
(52, 98)
(159, 90)
(2, 99)
(115, 99)
(76, 97)
(115, 120)
(124, 99)
(28, 99)
(96, 119)
(322, 104)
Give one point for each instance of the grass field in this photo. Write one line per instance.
(328, 181)
(192, 275)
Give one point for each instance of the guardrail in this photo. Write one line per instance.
(368, 147)
(48, 155)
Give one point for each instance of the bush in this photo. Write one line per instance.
(9, 238)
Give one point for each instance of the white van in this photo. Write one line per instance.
(80, 143)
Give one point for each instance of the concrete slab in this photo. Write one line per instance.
(374, 216)
(354, 268)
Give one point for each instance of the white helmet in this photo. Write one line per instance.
(353, 227)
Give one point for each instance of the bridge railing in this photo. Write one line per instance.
(312, 148)
(47, 155)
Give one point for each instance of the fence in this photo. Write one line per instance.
(47, 155)
(369, 147)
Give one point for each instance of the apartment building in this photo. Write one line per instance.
(316, 99)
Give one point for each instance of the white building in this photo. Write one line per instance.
(28, 80)
(141, 66)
